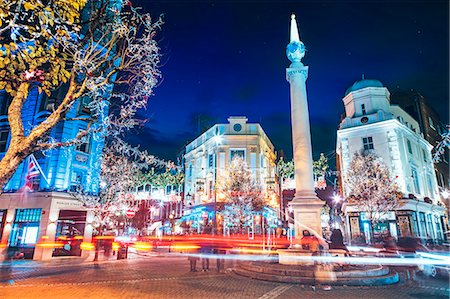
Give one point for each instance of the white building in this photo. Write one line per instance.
(208, 156)
(371, 123)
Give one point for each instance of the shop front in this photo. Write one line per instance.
(412, 219)
(363, 231)
(69, 232)
(24, 233)
(42, 225)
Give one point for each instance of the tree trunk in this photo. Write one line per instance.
(9, 164)
(21, 146)
(16, 152)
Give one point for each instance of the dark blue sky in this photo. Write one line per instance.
(227, 58)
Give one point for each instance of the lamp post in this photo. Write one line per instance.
(218, 140)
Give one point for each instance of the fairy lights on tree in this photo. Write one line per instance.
(242, 194)
(442, 146)
(103, 52)
(370, 186)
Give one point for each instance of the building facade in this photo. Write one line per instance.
(208, 157)
(372, 123)
(432, 128)
(47, 211)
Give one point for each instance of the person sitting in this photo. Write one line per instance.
(309, 242)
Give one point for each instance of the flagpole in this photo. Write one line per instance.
(39, 167)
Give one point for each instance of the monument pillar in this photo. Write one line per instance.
(306, 206)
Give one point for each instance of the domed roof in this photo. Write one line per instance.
(363, 84)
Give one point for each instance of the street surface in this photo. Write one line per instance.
(168, 276)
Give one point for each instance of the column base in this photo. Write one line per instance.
(307, 215)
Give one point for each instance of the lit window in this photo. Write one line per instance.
(368, 143)
(3, 140)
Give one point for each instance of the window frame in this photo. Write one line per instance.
(368, 143)
(4, 142)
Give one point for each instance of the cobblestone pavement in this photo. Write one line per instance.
(169, 277)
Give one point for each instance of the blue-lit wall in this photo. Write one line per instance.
(64, 167)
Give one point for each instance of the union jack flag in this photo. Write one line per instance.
(33, 171)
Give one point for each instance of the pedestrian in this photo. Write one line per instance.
(205, 250)
(337, 240)
(193, 257)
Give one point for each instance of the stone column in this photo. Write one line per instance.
(305, 204)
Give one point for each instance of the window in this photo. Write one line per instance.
(252, 160)
(84, 106)
(430, 185)
(408, 143)
(367, 143)
(430, 121)
(3, 140)
(47, 103)
(237, 152)
(5, 100)
(424, 155)
(190, 170)
(415, 178)
(441, 179)
(222, 160)
(76, 181)
(210, 160)
(84, 145)
(363, 109)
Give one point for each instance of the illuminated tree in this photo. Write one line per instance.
(100, 52)
(242, 193)
(442, 145)
(119, 176)
(285, 170)
(370, 186)
(320, 166)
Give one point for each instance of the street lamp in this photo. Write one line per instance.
(218, 140)
(336, 199)
(188, 198)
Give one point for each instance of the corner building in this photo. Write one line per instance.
(209, 155)
(372, 123)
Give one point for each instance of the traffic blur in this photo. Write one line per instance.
(408, 252)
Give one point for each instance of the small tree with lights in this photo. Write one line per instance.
(370, 187)
(242, 193)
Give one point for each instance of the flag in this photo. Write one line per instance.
(33, 171)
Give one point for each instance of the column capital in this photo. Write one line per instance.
(293, 73)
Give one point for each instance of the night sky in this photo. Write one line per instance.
(227, 58)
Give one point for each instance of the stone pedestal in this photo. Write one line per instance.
(307, 216)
